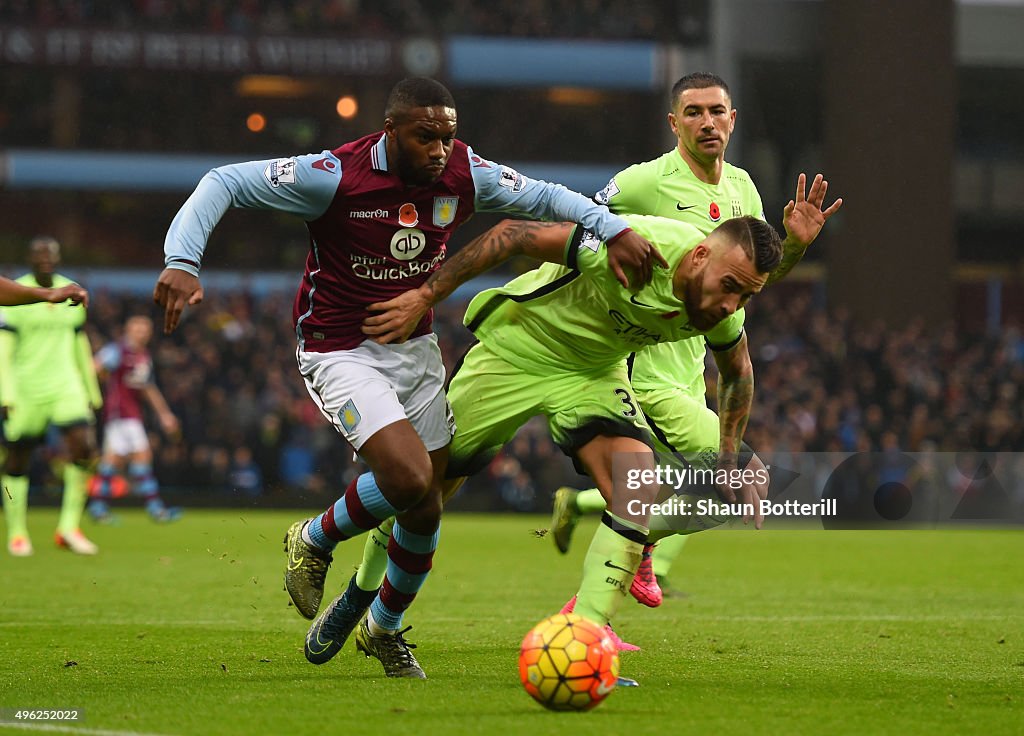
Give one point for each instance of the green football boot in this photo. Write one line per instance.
(306, 571)
(564, 517)
(392, 650)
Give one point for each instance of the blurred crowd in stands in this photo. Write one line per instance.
(824, 382)
(640, 19)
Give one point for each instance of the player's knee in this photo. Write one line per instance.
(425, 516)
(404, 483)
(17, 461)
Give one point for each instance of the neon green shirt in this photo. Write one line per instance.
(666, 187)
(578, 316)
(44, 357)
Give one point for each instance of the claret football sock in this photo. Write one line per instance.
(362, 508)
(410, 557)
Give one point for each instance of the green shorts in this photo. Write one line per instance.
(492, 399)
(682, 425)
(28, 420)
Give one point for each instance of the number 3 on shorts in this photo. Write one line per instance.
(626, 398)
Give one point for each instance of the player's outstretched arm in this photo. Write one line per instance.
(13, 294)
(173, 291)
(544, 241)
(735, 399)
(803, 218)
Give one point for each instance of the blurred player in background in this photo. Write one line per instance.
(47, 378)
(691, 183)
(379, 211)
(127, 371)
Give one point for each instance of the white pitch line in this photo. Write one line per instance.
(57, 728)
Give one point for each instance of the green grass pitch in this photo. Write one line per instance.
(185, 629)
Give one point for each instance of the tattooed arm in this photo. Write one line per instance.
(735, 399)
(544, 241)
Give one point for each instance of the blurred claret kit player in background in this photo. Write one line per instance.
(126, 368)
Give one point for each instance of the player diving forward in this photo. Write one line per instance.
(691, 183)
(554, 342)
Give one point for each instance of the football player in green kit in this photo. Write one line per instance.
(47, 377)
(692, 183)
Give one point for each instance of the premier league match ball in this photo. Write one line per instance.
(567, 662)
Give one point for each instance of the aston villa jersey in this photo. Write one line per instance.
(371, 236)
(128, 372)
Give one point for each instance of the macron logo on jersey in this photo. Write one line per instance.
(325, 164)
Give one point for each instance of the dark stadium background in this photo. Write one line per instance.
(903, 325)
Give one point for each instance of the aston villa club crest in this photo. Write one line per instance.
(444, 210)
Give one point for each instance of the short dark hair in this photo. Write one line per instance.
(417, 92)
(697, 80)
(759, 240)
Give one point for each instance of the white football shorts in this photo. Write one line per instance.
(123, 437)
(362, 390)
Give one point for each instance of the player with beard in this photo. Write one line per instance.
(555, 341)
(692, 183)
(379, 211)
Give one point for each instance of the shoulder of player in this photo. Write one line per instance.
(737, 174)
(671, 236)
(648, 170)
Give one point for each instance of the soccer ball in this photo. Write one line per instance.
(567, 662)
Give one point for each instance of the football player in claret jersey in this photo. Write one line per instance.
(127, 370)
(692, 183)
(47, 378)
(379, 212)
(554, 342)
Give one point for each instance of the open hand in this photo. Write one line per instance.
(804, 217)
(397, 317)
(630, 251)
